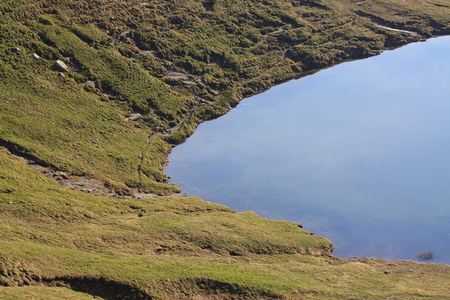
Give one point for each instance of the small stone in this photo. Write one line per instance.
(125, 34)
(115, 223)
(386, 272)
(18, 49)
(62, 75)
(133, 116)
(35, 56)
(10, 202)
(140, 215)
(61, 66)
(91, 84)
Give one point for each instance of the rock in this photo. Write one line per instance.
(91, 84)
(61, 66)
(213, 92)
(18, 50)
(386, 272)
(10, 202)
(140, 215)
(35, 56)
(133, 117)
(125, 34)
(62, 75)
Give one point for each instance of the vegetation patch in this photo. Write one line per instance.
(94, 95)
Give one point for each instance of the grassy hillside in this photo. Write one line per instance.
(142, 75)
(53, 236)
(93, 96)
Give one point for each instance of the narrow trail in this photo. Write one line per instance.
(155, 134)
(187, 116)
(142, 155)
(410, 33)
(278, 31)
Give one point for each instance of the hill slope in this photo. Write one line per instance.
(93, 95)
(141, 76)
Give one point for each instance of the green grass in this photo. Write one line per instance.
(42, 293)
(182, 247)
(231, 47)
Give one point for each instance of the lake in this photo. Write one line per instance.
(358, 153)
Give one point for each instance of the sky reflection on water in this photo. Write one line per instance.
(358, 153)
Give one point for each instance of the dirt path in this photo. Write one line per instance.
(167, 133)
(278, 31)
(141, 157)
(411, 33)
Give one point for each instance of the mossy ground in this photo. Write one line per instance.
(176, 63)
(173, 64)
(179, 247)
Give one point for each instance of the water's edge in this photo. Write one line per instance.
(312, 72)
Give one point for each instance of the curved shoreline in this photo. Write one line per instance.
(212, 199)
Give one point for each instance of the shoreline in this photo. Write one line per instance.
(417, 259)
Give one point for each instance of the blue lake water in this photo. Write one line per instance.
(358, 153)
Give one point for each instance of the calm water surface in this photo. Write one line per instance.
(358, 153)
